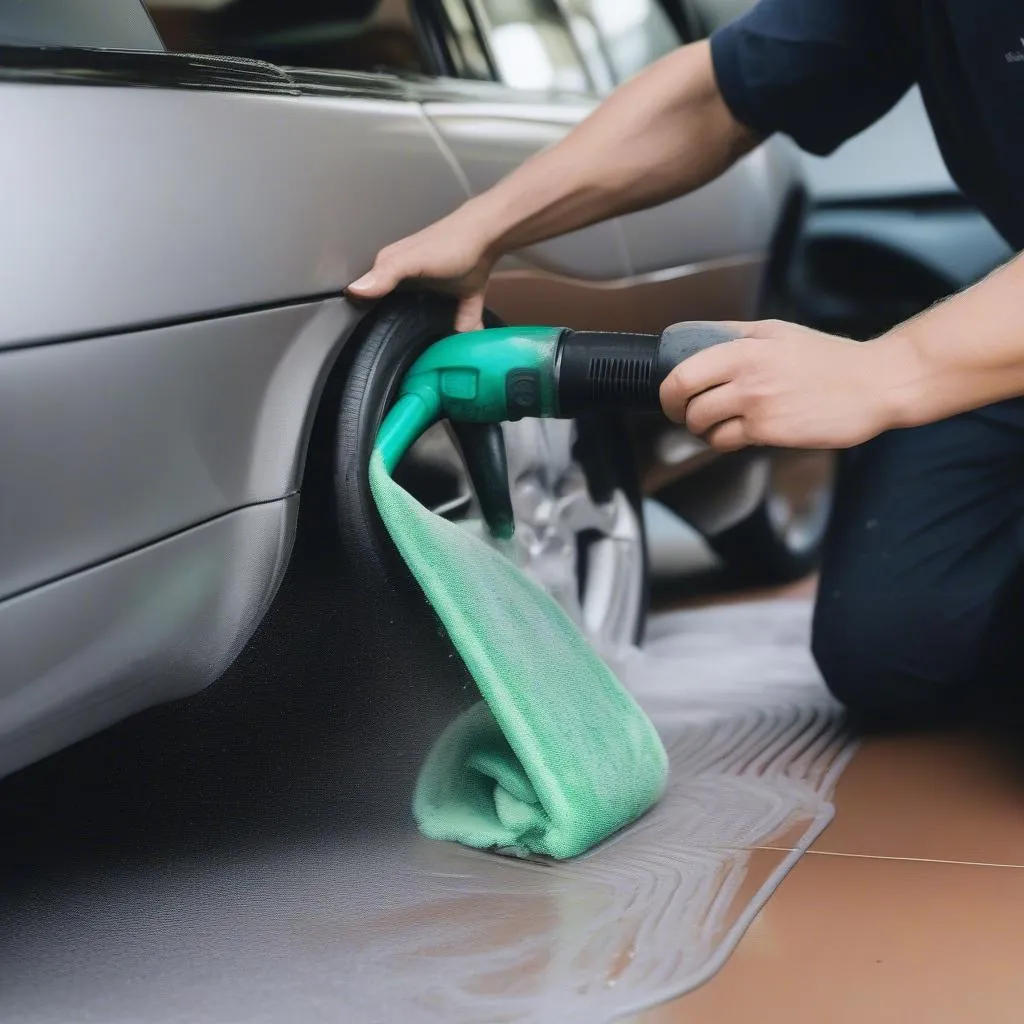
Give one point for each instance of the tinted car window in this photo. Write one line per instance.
(634, 33)
(101, 24)
(352, 35)
(533, 46)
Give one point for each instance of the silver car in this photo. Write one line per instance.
(187, 400)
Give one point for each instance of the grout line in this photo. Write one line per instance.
(876, 856)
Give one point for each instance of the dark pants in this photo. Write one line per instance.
(920, 611)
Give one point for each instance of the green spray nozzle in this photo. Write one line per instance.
(477, 380)
(504, 373)
(480, 379)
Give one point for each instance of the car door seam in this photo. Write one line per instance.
(446, 150)
(161, 538)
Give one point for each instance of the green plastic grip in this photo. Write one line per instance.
(489, 376)
(478, 380)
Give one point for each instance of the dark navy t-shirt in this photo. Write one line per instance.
(822, 70)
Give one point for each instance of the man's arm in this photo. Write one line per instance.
(964, 353)
(787, 386)
(662, 134)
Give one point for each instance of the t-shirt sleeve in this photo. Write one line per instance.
(819, 71)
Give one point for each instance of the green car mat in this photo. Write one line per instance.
(557, 756)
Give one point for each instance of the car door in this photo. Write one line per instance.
(543, 86)
(703, 256)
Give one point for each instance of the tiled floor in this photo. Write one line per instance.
(910, 906)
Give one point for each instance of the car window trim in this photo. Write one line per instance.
(434, 28)
(72, 65)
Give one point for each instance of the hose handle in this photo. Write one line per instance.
(600, 369)
(682, 340)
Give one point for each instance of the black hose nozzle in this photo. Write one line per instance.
(595, 369)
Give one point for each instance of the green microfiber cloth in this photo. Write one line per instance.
(558, 755)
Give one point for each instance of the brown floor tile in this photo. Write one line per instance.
(849, 940)
(946, 797)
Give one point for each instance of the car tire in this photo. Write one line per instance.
(779, 543)
(394, 335)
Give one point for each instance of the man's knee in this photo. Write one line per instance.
(881, 658)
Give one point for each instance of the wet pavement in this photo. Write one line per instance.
(249, 855)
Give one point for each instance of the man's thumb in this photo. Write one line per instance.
(375, 283)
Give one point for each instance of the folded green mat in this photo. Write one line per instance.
(558, 755)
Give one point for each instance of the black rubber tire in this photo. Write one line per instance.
(755, 553)
(398, 331)
(395, 334)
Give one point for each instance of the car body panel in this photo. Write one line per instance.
(489, 139)
(208, 201)
(110, 443)
(155, 406)
(699, 257)
(162, 622)
(733, 216)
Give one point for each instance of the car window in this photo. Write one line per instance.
(533, 46)
(351, 35)
(460, 36)
(99, 24)
(633, 33)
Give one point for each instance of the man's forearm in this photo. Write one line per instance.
(662, 134)
(962, 354)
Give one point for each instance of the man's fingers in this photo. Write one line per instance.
(708, 369)
(729, 436)
(470, 314)
(710, 408)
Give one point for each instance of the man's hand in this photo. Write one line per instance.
(612, 163)
(451, 255)
(784, 386)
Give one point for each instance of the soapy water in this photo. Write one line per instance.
(338, 923)
(755, 745)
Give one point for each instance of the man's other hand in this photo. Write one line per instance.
(783, 386)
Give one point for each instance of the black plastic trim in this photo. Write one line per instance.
(144, 68)
(911, 202)
(151, 69)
